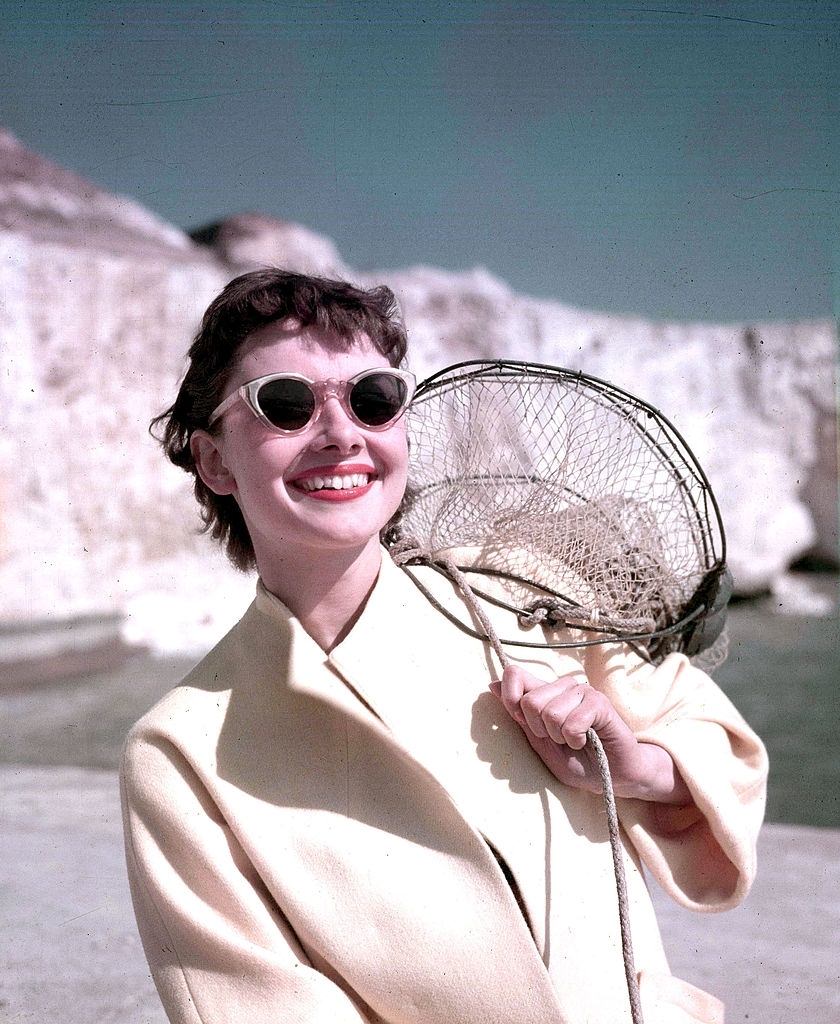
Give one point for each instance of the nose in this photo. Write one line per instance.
(335, 429)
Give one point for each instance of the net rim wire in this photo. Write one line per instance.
(680, 463)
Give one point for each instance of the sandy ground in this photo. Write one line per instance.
(69, 952)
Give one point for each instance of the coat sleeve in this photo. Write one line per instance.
(703, 855)
(219, 948)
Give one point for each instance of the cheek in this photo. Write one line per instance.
(398, 477)
(258, 468)
(399, 459)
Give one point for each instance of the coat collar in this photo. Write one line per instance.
(365, 679)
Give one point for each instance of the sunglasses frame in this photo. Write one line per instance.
(322, 390)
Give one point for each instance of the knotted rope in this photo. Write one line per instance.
(460, 580)
(538, 612)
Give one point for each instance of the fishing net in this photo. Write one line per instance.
(568, 501)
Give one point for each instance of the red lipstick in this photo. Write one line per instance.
(346, 494)
(326, 472)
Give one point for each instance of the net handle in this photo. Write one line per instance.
(460, 580)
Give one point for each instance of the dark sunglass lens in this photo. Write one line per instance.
(288, 404)
(377, 398)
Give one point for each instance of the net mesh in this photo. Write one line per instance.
(559, 492)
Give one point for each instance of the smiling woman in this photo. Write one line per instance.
(292, 381)
(332, 818)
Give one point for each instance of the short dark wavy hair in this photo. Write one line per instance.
(336, 308)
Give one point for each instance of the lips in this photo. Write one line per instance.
(335, 483)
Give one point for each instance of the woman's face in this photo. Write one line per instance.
(271, 475)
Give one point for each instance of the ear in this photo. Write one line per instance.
(210, 463)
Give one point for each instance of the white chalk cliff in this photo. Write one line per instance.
(99, 299)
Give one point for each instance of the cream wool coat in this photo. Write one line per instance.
(325, 838)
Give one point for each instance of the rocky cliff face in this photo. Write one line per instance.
(100, 298)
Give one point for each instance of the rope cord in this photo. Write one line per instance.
(460, 580)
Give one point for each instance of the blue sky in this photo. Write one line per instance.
(676, 160)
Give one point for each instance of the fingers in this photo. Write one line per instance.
(556, 716)
(567, 722)
(505, 690)
(545, 708)
(558, 710)
(514, 682)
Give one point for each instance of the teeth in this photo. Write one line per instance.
(335, 483)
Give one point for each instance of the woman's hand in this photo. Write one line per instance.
(555, 717)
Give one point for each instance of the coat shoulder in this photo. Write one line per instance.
(200, 697)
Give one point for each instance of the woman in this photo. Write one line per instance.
(332, 818)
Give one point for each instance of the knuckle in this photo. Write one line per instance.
(587, 695)
(570, 680)
(530, 702)
(514, 674)
(554, 729)
(513, 709)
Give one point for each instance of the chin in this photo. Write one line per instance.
(313, 524)
(335, 536)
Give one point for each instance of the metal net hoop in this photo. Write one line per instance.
(582, 503)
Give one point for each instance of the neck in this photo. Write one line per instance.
(324, 590)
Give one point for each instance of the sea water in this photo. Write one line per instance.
(783, 673)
